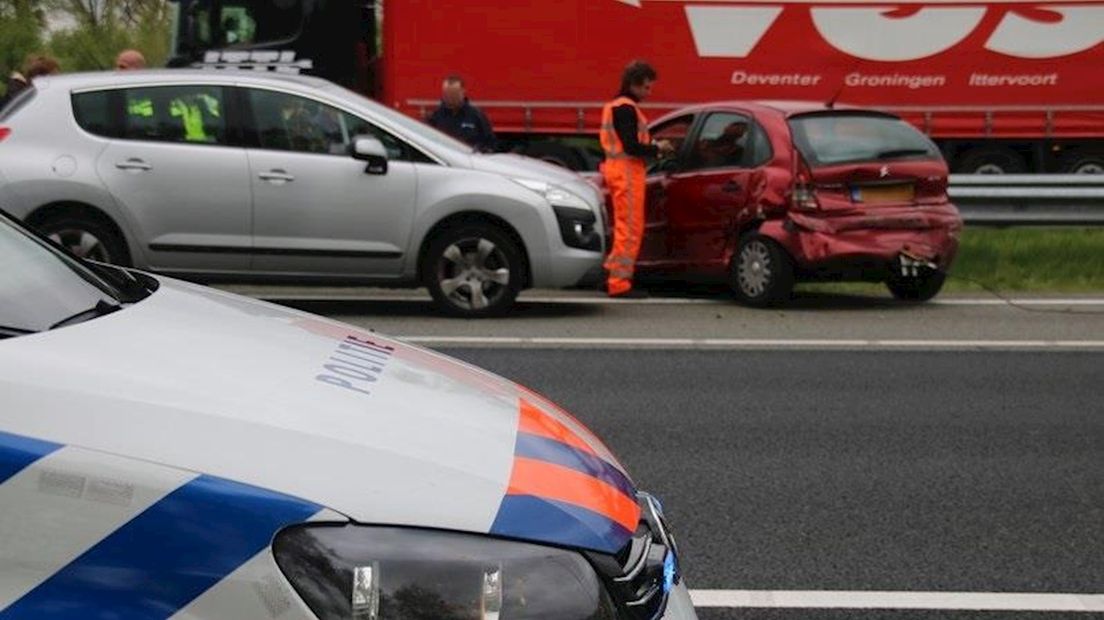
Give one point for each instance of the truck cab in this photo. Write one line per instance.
(333, 40)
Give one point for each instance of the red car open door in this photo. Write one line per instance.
(701, 200)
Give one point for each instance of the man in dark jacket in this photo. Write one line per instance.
(17, 82)
(460, 119)
(36, 65)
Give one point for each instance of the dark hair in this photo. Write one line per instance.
(454, 79)
(636, 73)
(40, 65)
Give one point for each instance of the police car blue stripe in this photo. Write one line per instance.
(17, 452)
(558, 523)
(552, 451)
(167, 556)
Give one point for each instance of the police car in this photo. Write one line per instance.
(170, 451)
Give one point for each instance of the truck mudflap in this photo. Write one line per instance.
(927, 236)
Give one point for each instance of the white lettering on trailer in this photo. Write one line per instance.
(893, 80)
(724, 32)
(743, 78)
(877, 33)
(986, 80)
(1080, 29)
(893, 33)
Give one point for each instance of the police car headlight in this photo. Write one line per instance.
(554, 194)
(353, 572)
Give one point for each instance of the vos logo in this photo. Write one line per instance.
(893, 33)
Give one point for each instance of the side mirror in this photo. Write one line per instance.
(371, 151)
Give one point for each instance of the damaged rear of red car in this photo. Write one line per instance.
(765, 195)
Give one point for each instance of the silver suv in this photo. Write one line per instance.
(253, 176)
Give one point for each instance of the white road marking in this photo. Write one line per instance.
(960, 601)
(672, 301)
(750, 343)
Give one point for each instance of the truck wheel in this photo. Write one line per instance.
(917, 288)
(473, 271)
(761, 272)
(86, 237)
(1083, 162)
(990, 160)
(557, 154)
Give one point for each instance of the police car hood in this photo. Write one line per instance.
(377, 430)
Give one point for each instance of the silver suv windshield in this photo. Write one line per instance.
(41, 287)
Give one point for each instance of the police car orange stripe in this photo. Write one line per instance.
(561, 491)
(551, 481)
(536, 422)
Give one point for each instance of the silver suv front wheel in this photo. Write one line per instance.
(473, 271)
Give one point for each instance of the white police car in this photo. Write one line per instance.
(169, 451)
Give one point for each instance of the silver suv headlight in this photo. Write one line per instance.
(353, 572)
(578, 223)
(554, 194)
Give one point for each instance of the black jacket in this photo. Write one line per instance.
(468, 124)
(16, 84)
(626, 125)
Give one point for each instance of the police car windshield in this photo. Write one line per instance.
(40, 285)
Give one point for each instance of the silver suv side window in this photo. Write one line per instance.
(191, 114)
(285, 122)
(94, 113)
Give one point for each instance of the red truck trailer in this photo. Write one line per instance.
(1001, 87)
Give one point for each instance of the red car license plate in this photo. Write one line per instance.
(874, 194)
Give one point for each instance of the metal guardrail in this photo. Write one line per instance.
(1029, 199)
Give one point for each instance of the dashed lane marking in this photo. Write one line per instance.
(668, 301)
(958, 601)
(751, 343)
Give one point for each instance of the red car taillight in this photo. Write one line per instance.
(4, 133)
(804, 191)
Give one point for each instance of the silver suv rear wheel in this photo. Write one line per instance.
(86, 237)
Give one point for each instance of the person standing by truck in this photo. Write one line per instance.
(627, 145)
(459, 118)
(36, 65)
(130, 60)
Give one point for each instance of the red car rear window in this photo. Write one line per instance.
(830, 139)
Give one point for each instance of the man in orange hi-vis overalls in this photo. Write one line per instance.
(627, 144)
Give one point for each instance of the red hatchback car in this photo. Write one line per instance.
(766, 194)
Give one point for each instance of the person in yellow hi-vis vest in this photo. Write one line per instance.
(193, 111)
(627, 144)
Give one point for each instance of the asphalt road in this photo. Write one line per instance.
(957, 463)
(586, 315)
(829, 470)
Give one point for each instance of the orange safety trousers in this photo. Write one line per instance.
(625, 179)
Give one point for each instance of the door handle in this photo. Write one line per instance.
(731, 187)
(134, 164)
(276, 176)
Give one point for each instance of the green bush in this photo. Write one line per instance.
(98, 32)
(21, 28)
